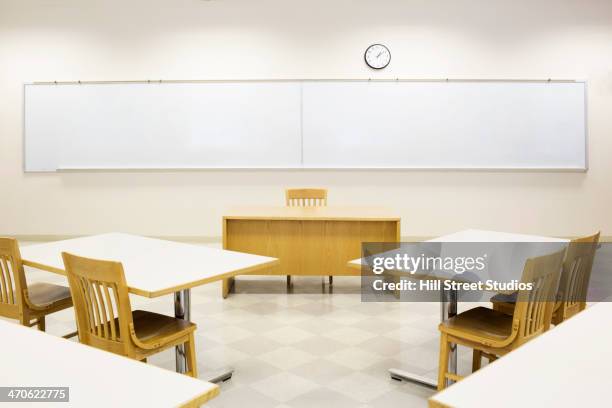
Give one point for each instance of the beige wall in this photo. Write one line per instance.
(43, 40)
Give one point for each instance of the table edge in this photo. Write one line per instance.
(202, 398)
(307, 218)
(173, 289)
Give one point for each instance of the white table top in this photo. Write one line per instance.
(326, 213)
(96, 378)
(152, 267)
(474, 235)
(568, 366)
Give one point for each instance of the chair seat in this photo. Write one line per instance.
(47, 294)
(153, 327)
(504, 298)
(482, 322)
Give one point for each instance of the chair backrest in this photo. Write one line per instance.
(575, 276)
(306, 197)
(534, 307)
(12, 278)
(101, 303)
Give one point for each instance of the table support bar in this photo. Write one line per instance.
(448, 309)
(182, 310)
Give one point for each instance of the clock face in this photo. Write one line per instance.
(377, 56)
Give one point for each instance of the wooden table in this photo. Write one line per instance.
(309, 241)
(95, 378)
(566, 367)
(448, 298)
(153, 267)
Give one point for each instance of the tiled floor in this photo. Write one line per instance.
(309, 348)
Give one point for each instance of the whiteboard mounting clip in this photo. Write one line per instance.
(549, 80)
(79, 82)
(55, 82)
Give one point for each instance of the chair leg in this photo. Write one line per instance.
(41, 323)
(71, 334)
(331, 280)
(443, 364)
(24, 321)
(476, 360)
(190, 356)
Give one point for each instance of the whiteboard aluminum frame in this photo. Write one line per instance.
(317, 168)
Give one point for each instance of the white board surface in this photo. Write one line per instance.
(174, 125)
(306, 124)
(459, 125)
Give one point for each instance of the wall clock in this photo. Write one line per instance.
(377, 56)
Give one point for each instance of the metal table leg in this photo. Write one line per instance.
(448, 308)
(182, 310)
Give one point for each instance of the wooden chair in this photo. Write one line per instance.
(27, 303)
(492, 333)
(105, 318)
(306, 197)
(573, 285)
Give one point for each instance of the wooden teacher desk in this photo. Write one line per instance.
(308, 241)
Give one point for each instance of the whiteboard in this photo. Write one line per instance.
(458, 125)
(168, 125)
(306, 124)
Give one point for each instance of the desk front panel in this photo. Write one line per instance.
(307, 247)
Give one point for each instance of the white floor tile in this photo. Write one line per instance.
(288, 335)
(354, 357)
(287, 357)
(284, 386)
(368, 389)
(350, 335)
